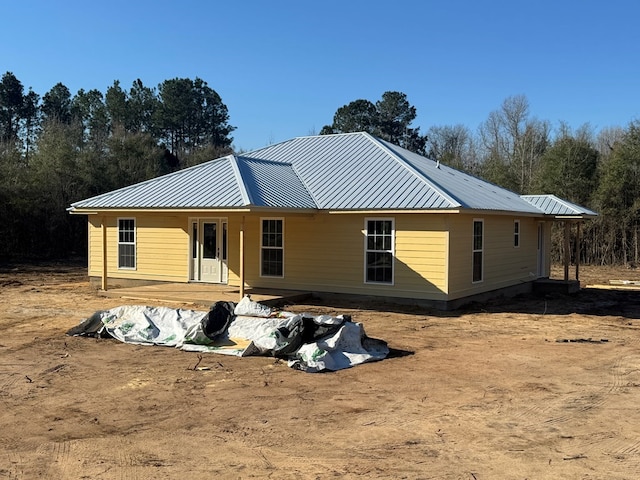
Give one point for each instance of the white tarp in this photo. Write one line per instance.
(345, 343)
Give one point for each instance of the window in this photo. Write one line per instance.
(478, 246)
(272, 249)
(127, 243)
(379, 250)
(516, 233)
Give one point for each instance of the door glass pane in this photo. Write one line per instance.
(224, 241)
(209, 240)
(194, 241)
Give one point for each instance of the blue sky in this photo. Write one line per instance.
(284, 67)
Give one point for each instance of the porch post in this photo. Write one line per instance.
(242, 258)
(567, 246)
(578, 251)
(103, 228)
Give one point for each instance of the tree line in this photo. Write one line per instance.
(512, 149)
(58, 148)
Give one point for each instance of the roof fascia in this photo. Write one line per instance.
(97, 211)
(173, 211)
(510, 213)
(574, 217)
(391, 212)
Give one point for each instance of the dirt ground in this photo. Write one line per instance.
(488, 392)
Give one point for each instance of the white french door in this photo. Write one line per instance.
(209, 250)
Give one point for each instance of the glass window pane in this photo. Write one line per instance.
(126, 243)
(477, 266)
(272, 251)
(126, 256)
(272, 262)
(379, 267)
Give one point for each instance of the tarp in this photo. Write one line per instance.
(309, 343)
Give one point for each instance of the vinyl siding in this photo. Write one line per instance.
(95, 246)
(503, 264)
(162, 247)
(325, 252)
(421, 260)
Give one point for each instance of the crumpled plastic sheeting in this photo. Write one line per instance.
(344, 345)
(142, 325)
(349, 346)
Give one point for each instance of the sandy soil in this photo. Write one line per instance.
(484, 393)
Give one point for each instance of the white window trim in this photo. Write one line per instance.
(516, 234)
(135, 243)
(261, 247)
(392, 251)
(473, 250)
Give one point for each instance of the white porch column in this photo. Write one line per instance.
(103, 228)
(578, 251)
(567, 247)
(242, 259)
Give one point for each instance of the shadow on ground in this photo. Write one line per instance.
(588, 301)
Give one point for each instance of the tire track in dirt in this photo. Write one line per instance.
(568, 409)
(127, 463)
(57, 456)
(11, 464)
(7, 383)
(626, 452)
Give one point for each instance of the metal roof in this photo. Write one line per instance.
(358, 171)
(206, 185)
(552, 205)
(273, 184)
(471, 192)
(352, 171)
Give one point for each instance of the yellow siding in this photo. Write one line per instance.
(325, 252)
(504, 265)
(162, 248)
(322, 252)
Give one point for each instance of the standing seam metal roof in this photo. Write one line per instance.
(352, 171)
(552, 205)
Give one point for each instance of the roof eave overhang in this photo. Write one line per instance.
(389, 211)
(190, 210)
(574, 217)
(95, 211)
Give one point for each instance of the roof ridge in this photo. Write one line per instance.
(244, 192)
(306, 187)
(404, 162)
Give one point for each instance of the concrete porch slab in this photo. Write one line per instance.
(204, 294)
(549, 285)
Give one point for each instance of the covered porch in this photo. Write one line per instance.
(572, 216)
(203, 294)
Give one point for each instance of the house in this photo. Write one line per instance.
(347, 213)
